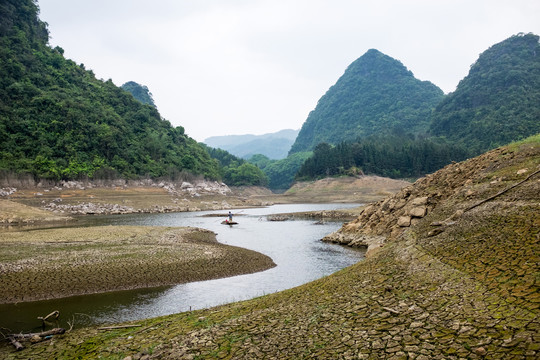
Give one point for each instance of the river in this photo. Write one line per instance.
(294, 246)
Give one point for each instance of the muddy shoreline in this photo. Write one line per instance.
(56, 263)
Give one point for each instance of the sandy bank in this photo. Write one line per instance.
(55, 263)
(12, 213)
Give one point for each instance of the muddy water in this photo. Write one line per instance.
(293, 245)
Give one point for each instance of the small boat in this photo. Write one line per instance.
(227, 222)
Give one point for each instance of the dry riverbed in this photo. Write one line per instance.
(55, 263)
(460, 282)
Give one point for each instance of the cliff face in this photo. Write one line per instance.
(444, 202)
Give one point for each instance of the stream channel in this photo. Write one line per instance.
(294, 246)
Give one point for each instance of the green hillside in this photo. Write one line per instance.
(58, 121)
(236, 171)
(498, 101)
(375, 95)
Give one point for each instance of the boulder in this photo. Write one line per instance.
(420, 201)
(404, 221)
(419, 211)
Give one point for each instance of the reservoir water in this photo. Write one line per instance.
(294, 246)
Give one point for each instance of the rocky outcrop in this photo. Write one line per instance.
(385, 218)
(450, 191)
(195, 188)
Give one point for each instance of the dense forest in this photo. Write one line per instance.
(280, 173)
(389, 156)
(58, 121)
(375, 95)
(498, 101)
(236, 171)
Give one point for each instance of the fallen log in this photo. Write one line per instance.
(502, 192)
(56, 331)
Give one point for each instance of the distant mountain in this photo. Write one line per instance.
(57, 121)
(274, 145)
(498, 101)
(139, 92)
(375, 95)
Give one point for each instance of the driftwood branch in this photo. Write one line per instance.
(55, 314)
(18, 346)
(56, 331)
(502, 192)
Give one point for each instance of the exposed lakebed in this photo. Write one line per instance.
(293, 245)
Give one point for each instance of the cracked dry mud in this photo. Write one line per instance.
(469, 291)
(54, 263)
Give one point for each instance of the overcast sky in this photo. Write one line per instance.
(222, 67)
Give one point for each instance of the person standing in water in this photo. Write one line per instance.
(230, 216)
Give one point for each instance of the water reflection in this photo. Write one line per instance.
(293, 245)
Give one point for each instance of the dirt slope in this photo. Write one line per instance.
(346, 189)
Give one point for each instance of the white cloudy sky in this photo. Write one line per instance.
(221, 67)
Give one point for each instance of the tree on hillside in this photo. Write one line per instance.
(236, 171)
(280, 173)
(139, 92)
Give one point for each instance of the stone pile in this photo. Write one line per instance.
(89, 208)
(201, 188)
(7, 191)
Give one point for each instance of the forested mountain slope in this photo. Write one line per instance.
(58, 121)
(498, 101)
(375, 95)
